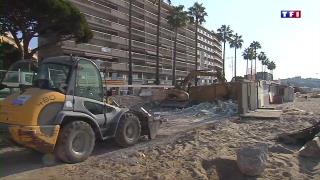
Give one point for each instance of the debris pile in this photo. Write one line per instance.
(294, 111)
(218, 109)
(308, 136)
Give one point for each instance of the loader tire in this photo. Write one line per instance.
(128, 131)
(75, 142)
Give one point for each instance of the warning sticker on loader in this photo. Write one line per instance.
(20, 100)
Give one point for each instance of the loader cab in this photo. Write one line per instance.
(80, 80)
(72, 76)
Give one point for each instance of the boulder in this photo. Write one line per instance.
(252, 160)
(311, 148)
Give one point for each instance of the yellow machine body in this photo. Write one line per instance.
(20, 114)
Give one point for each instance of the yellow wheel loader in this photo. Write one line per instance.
(64, 112)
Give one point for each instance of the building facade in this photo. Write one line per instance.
(109, 21)
(209, 53)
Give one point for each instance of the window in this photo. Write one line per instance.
(88, 83)
(53, 76)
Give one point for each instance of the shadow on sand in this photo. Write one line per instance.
(17, 159)
(224, 169)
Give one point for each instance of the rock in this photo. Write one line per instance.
(139, 154)
(286, 139)
(311, 148)
(280, 149)
(252, 160)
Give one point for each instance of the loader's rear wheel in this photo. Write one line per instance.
(75, 142)
(128, 131)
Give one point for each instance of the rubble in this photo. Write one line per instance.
(220, 108)
(311, 148)
(301, 136)
(252, 160)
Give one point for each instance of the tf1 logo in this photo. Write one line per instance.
(290, 14)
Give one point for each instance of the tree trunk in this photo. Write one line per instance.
(158, 43)
(196, 53)
(251, 70)
(26, 53)
(235, 62)
(255, 63)
(262, 70)
(255, 68)
(130, 44)
(174, 58)
(247, 68)
(223, 61)
(16, 40)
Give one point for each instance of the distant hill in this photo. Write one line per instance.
(301, 82)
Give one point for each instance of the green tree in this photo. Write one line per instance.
(33, 18)
(158, 39)
(255, 45)
(8, 55)
(224, 35)
(177, 18)
(197, 14)
(236, 43)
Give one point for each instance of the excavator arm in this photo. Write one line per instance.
(179, 93)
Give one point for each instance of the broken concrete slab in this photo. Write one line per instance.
(263, 114)
(311, 148)
(267, 108)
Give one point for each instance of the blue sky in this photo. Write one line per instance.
(294, 44)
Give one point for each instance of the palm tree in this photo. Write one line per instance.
(255, 45)
(177, 18)
(236, 43)
(265, 63)
(271, 66)
(248, 55)
(224, 35)
(130, 44)
(262, 57)
(158, 39)
(197, 16)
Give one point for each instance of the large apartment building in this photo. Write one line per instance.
(209, 53)
(109, 21)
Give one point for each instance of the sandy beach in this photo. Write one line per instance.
(185, 150)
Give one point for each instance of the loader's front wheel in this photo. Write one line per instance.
(128, 131)
(75, 142)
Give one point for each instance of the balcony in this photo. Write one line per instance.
(92, 4)
(110, 38)
(96, 9)
(90, 48)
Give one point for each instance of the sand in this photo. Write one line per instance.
(190, 150)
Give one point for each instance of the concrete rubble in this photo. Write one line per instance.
(218, 109)
(252, 160)
(311, 148)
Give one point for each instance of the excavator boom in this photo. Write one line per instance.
(196, 73)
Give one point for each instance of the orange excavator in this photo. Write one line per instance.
(180, 92)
